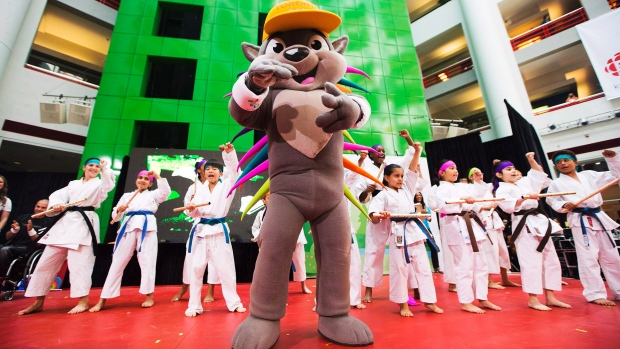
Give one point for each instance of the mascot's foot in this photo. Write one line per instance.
(256, 333)
(345, 330)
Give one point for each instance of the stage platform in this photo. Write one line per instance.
(123, 324)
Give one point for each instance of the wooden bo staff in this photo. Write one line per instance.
(552, 194)
(599, 190)
(409, 215)
(476, 200)
(381, 168)
(179, 209)
(120, 214)
(39, 215)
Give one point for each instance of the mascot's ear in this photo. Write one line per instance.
(341, 44)
(250, 51)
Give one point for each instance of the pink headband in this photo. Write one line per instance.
(444, 167)
(146, 173)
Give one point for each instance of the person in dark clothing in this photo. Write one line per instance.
(23, 235)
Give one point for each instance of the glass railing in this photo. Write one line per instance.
(448, 72)
(115, 4)
(569, 104)
(546, 30)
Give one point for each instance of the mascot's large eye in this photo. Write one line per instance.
(318, 43)
(275, 46)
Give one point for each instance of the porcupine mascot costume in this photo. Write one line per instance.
(289, 92)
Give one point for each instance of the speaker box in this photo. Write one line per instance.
(79, 113)
(53, 113)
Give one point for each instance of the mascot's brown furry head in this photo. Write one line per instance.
(290, 92)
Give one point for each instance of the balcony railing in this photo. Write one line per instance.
(570, 104)
(115, 4)
(448, 72)
(546, 30)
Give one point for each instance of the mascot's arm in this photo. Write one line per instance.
(245, 106)
(347, 111)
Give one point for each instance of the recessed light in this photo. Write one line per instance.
(17, 163)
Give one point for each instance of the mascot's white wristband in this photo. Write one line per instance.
(32, 232)
(364, 106)
(245, 98)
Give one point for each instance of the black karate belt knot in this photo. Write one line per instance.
(81, 210)
(525, 214)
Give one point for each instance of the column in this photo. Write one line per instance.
(12, 15)
(595, 8)
(494, 64)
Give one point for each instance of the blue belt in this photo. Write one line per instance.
(591, 212)
(124, 227)
(209, 221)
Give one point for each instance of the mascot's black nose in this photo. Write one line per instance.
(296, 54)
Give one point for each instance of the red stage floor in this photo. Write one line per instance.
(123, 324)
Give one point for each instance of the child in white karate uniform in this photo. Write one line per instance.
(531, 231)
(299, 255)
(209, 241)
(406, 238)
(464, 234)
(138, 232)
(74, 237)
(590, 225)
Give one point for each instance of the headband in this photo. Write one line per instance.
(502, 165)
(146, 173)
(444, 167)
(471, 172)
(200, 163)
(214, 163)
(563, 156)
(376, 146)
(92, 161)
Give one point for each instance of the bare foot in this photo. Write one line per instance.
(36, 307)
(359, 306)
(553, 302)
(98, 306)
(509, 283)
(177, 297)
(496, 286)
(434, 308)
(314, 308)
(564, 283)
(149, 301)
(452, 288)
(486, 304)
(191, 314)
(472, 308)
(304, 288)
(240, 309)
(81, 307)
(603, 301)
(210, 292)
(538, 306)
(404, 310)
(208, 299)
(367, 295)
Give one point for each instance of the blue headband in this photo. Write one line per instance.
(92, 161)
(563, 156)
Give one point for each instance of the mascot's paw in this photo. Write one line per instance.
(345, 330)
(344, 114)
(255, 333)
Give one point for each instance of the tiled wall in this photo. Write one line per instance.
(380, 44)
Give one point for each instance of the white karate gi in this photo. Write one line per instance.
(449, 275)
(600, 249)
(412, 238)
(299, 255)
(69, 239)
(208, 244)
(470, 268)
(538, 270)
(495, 248)
(131, 241)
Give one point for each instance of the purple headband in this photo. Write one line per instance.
(376, 146)
(502, 165)
(199, 164)
(146, 173)
(444, 167)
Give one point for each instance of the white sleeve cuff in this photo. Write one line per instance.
(32, 232)
(245, 98)
(13, 231)
(363, 103)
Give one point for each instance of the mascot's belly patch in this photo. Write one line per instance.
(295, 113)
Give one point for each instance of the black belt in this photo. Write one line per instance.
(525, 214)
(81, 210)
(468, 216)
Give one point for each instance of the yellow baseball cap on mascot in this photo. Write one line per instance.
(299, 14)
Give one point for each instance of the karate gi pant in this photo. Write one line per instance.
(491, 251)
(449, 275)
(419, 269)
(471, 271)
(588, 259)
(212, 277)
(212, 249)
(538, 270)
(373, 260)
(124, 251)
(80, 263)
(299, 260)
(355, 273)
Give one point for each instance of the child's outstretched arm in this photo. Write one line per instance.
(413, 166)
(532, 160)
